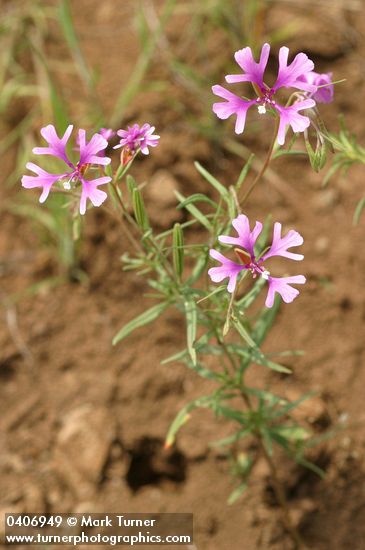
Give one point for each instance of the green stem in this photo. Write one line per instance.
(264, 166)
(278, 488)
(136, 244)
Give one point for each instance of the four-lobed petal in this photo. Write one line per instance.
(246, 238)
(56, 146)
(233, 105)
(282, 286)
(289, 76)
(290, 116)
(227, 269)
(253, 72)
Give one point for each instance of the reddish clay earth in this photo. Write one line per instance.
(83, 423)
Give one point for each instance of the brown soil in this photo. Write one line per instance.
(83, 423)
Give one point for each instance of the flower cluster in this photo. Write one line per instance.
(324, 88)
(91, 155)
(138, 138)
(246, 241)
(298, 75)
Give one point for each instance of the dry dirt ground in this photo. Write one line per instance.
(83, 423)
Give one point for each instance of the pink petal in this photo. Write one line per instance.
(282, 287)
(254, 72)
(325, 94)
(289, 116)
(107, 133)
(56, 145)
(44, 179)
(90, 191)
(289, 76)
(280, 245)
(89, 151)
(234, 105)
(227, 269)
(246, 238)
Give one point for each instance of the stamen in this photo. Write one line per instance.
(67, 184)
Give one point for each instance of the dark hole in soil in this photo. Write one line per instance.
(8, 368)
(301, 482)
(151, 464)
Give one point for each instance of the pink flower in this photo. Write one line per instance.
(107, 133)
(324, 93)
(138, 138)
(289, 76)
(246, 242)
(89, 155)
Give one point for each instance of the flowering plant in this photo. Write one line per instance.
(223, 337)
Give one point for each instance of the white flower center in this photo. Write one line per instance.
(265, 275)
(261, 109)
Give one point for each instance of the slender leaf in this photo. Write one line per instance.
(197, 197)
(243, 332)
(194, 211)
(178, 249)
(191, 323)
(183, 416)
(212, 180)
(237, 493)
(359, 208)
(143, 319)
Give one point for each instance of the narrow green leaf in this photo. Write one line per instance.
(237, 493)
(292, 405)
(60, 114)
(65, 19)
(230, 439)
(178, 249)
(212, 180)
(258, 357)
(359, 208)
(197, 197)
(291, 433)
(140, 210)
(244, 172)
(108, 170)
(232, 414)
(131, 87)
(131, 185)
(179, 356)
(313, 467)
(265, 322)
(191, 323)
(199, 268)
(143, 319)
(183, 416)
(267, 440)
(184, 357)
(248, 299)
(243, 332)
(194, 211)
